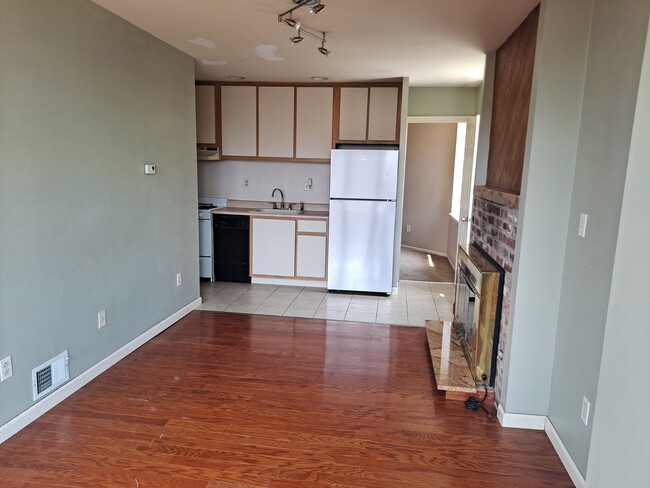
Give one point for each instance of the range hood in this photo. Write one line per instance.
(207, 153)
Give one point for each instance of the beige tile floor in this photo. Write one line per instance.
(414, 302)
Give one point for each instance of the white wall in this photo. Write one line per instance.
(226, 179)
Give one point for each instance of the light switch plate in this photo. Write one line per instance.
(584, 412)
(582, 228)
(150, 169)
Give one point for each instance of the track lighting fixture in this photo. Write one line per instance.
(287, 18)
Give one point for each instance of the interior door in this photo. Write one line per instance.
(467, 188)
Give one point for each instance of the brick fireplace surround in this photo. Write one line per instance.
(494, 229)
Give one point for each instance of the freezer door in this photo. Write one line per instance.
(364, 174)
(361, 242)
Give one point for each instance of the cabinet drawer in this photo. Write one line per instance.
(319, 226)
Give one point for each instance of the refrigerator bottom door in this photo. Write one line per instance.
(361, 243)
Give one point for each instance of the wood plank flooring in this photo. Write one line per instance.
(239, 401)
(414, 266)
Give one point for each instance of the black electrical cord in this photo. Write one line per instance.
(473, 403)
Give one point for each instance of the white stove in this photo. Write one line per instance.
(206, 204)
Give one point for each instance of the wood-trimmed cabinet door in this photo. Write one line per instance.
(273, 247)
(206, 114)
(275, 121)
(369, 114)
(382, 113)
(311, 249)
(239, 120)
(314, 108)
(353, 114)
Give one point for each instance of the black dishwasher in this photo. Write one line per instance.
(231, 248)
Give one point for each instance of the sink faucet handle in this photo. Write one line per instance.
(302, 206)
(290, 206)
(275, 205)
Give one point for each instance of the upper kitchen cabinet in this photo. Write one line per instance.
(239, 121)
(368, 115)
(206, 115)
(275, 121)
(314, 108)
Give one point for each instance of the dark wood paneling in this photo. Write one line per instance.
(513, 79)
(228, 400)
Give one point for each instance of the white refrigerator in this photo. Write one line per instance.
(363, 191)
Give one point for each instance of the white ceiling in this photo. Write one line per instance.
(433, 42)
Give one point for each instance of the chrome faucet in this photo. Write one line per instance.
(281, 196)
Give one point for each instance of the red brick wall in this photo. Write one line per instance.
(494, 229)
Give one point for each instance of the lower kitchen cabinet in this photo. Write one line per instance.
(289, 248)
(311, 255)
(273, 247)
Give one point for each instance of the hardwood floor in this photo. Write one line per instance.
(239, 401)
(415, 266)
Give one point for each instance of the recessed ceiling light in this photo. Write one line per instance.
(237, 78)
(319, 78)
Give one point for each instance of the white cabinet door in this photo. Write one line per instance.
(206, 132)
(239, 120)
(353, 114)
(276, 115)
(273, 249)
(382, 113)
(311, 256)
(314, 106)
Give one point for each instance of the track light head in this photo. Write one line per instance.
(294, 24)
(324, 51)
(316, 8)
(296, 39)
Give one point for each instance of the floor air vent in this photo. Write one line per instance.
(50, 375)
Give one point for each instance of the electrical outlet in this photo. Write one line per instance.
(246, 183)
(101, 319)
(309, 185)
(6, 369)
(408, 228)
(584, 412)
(582, 228)
(178, 279)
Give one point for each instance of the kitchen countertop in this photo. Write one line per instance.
(308, 214)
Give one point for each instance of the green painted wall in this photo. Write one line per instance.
(87, 99)
(443, 100)
(585, 90)
(620, 445)
(549, 164)
(616, 47)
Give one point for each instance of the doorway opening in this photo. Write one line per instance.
(439, 173)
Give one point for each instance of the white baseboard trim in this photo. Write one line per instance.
(565, 457)
(35, 411)
(520, 421)
(421, 249)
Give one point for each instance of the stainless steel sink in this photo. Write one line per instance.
(279, 211)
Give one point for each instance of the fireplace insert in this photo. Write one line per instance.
(477, 310)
